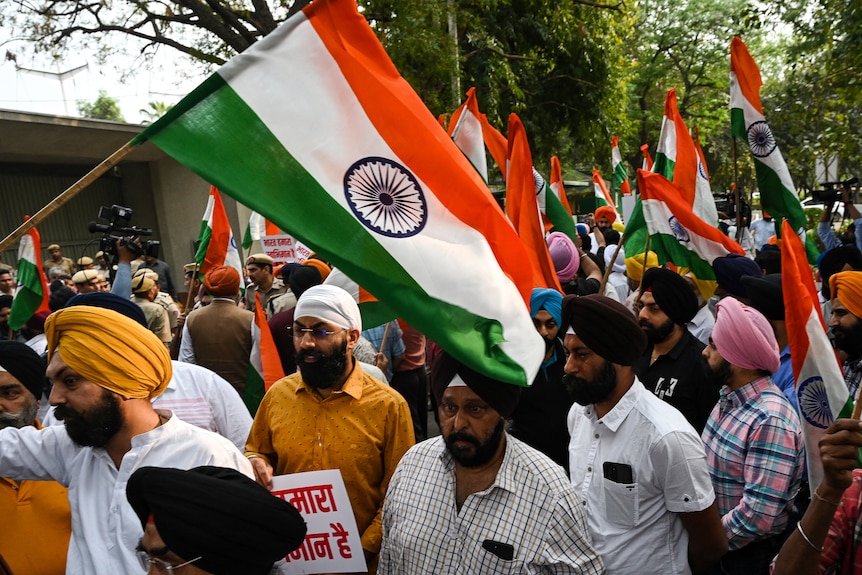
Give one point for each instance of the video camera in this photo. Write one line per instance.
(118, 229)
(831, 191)
(726, 203)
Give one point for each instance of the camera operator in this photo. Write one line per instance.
(166, 282)
(853, 235)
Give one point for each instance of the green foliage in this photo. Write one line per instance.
(102, 108)
(154, 111)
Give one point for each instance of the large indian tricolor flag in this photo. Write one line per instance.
(777, 192)
(314, 128)
(216, 245)
(677, 234)
(820, 387)
(32, 294)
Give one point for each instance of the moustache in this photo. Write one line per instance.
(62, 412)
(310, 353)
(463, 436)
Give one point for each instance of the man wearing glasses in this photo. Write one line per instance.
(331, 415)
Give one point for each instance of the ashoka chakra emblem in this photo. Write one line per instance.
(679, 232)
(760, 139)
(814, 402)
(386, 197)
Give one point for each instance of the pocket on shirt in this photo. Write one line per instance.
(621, 503)
(493, 565)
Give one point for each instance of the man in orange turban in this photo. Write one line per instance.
(105, 368)
(846, 324)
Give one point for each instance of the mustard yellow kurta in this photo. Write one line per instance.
(35, 526)
(363, 430)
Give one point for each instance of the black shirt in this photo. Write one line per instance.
(540, 420)
(680, 378)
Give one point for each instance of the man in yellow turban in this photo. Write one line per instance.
(105, 368)
(846, 324)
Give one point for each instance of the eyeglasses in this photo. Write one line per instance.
(316, 333)
(162, 566)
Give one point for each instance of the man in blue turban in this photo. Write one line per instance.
(540, 418)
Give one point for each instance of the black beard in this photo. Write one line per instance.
(585, 392)
(327, 370)
(483, 452)
(849, 340)
(96, 426)
(25, 417)
(657, 334)
(549, 343)
(717, 376)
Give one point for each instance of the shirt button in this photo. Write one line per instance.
(597, 436)
(590, 469)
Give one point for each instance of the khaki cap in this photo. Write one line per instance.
(261, 259)
(85, 276)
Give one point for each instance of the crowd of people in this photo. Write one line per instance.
(661, 435)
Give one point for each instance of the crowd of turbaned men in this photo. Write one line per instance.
(663, 433)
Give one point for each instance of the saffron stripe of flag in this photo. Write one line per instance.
(264, 366)
(32, 294)
(466, 131)
(820, 387)
(676, 233)
(373, 184)
(522, 207)
(216, 246)
(496, 143)
(620, 181)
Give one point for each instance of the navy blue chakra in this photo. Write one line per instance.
(386, 197)
(760, 139)
(678, 230)
(814, 402)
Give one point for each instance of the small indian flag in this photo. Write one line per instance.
(466, 131)
(820, 387)
(32, 294)
(264, 367)
(216, 246)
(342, 154)
(677, 235)
(258, 226)
(677, 159)
(620, 182)
(600, 191)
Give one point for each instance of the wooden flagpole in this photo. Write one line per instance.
(70, 193)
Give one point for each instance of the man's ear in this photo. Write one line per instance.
(353, 337)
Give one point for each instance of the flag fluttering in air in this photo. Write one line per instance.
(264, 366)
(777, 192)
(676, 233)
(820, 388)
(216, 246)
(466, 130)
(620, 181)
(521, 206)
(677, 159)
(374, 185)
(258, 226)
(497, 144)
(603, 197)
(557, 186)
(32, 294)
(554, 215)
(647, 163)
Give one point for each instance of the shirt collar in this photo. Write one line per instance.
(745, 394)
(618, 413)
(352, 387)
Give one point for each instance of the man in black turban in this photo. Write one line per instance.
(671, 366)
(513, 504)
(213, 519)
(638, 466)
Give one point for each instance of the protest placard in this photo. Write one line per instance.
(332, 543)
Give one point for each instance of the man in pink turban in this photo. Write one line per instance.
(752, 437)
